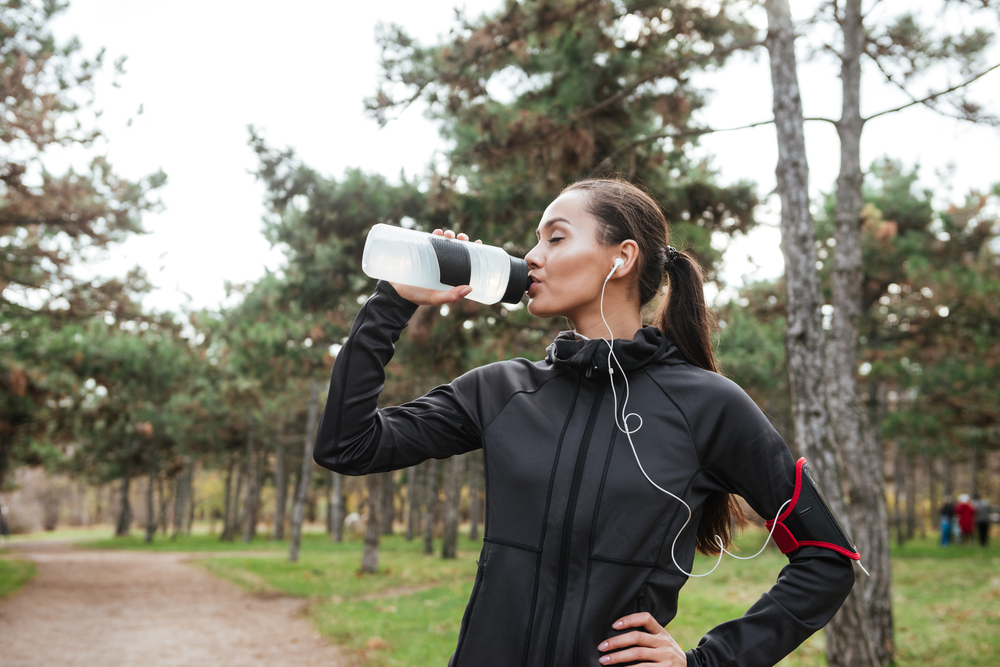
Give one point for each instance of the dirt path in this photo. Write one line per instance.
(135, 609)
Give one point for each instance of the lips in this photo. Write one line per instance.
(534, 281)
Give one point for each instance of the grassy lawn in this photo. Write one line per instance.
(14, 573)
(947, 601)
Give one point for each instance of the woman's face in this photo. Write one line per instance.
(568, 265)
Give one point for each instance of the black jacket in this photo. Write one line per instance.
(575, 536)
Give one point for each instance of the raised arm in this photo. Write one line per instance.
(355, 436)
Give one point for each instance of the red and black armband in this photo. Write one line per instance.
(808, 520)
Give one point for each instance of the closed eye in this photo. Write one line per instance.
(555, 239)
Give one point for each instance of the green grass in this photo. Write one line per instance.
(204, 542)
(14, 574)
(947, 601)
(417, 629)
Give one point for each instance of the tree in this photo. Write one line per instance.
(859, 635)
(49, 223)
(804, 337)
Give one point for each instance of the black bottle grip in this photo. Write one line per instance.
(454, 263)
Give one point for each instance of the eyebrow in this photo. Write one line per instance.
(548, 223)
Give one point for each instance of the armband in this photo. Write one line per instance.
(808, 520)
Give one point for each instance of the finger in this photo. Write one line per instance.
(463, 237)
(628, 655)
(438, 232)
(479, 241)
(451, 296)
(439, 298)
(634, 638)
(641, 620)
(448, 234)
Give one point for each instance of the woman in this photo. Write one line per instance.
(583, 557)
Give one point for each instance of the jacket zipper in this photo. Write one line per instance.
(567, 531)
(641, 602)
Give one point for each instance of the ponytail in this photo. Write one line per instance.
(686, 319)
(683, 315)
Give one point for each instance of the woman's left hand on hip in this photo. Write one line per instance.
(651, 647)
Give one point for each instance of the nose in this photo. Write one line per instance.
(534, 258)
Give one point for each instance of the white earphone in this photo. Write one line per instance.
(618, 262)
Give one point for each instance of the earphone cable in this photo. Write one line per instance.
(628, 434)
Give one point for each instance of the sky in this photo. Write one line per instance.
(299, 71)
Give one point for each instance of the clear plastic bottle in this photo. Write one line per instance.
(424, 260)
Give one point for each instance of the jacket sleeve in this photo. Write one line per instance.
(743, 454)
(356, 437)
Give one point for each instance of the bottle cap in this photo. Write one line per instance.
(518, 283)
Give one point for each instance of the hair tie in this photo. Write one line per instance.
(670, 258)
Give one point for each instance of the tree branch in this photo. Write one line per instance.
(621, 150)
(664, 71)
(931, 97)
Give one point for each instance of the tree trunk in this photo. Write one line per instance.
(947, 477)
(431, 494)
(239, 499)
(932, 500)
(899, 493)
(253, 483)
(475, 481)
(337, 507)
(373, 528)
(150, 513)
(974, 470)
(849, 639)
(164, 505)
(6, 444)
(412, 502)
(388, 514)
(453, 495)
(329, 503)
(178, 504)
(125, 514)
(280, 484)
(856, 442)
(189, 521)
(227, 513)
(911, 497)
(298, 510)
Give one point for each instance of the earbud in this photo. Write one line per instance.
(618, 262)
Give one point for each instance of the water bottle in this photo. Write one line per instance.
(435, 262)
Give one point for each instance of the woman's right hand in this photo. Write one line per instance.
(423, 296)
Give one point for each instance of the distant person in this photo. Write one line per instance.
(966, 517)
(4, 528)
(947, 517)
(983, 511)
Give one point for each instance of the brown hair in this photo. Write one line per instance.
(625, 212)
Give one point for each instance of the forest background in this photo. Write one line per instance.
(135, 405)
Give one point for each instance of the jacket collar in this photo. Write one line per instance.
(648, 346)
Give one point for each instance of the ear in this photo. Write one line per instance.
(628, 252)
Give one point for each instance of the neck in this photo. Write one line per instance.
(621, 314)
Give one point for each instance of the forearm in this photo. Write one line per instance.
(350, 432)
(809, 591)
